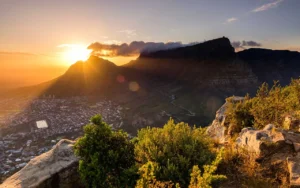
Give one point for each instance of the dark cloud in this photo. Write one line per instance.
(134, 48)
(236, 44)
(251, 43)
(243, 44)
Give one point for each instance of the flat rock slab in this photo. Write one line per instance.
(41, 168)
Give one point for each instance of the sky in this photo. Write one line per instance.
(41, 32)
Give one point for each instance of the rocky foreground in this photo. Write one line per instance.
(275, 149)
(55, 168)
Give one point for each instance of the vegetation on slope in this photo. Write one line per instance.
(178, 155)
(106, 156)
(270, 105)
(174, 155)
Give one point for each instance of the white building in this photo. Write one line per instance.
(42, 124)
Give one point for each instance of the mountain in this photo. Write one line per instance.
(269, 65)
(213, 49)
(84, 78)
(210, 65)
(187, 83)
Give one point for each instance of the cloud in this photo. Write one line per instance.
(267, 6)
(132, 49)
(243, 44)
(251, 43)
(230, 20)
(236, 44)
(130, 33)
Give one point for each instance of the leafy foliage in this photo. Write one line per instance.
(208, 177)
(157, 157)
(148, 178)
(270, 105)
(174, 149)
(106, 157)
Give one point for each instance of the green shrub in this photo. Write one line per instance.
(106, 157)
(175, 149)
(208, 177)
(270, 105)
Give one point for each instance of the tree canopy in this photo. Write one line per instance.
(106, 156)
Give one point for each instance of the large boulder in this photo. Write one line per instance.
(218, 130)
(55, 168)
(275, 149)
(260, 141)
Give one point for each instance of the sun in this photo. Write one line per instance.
(76, 53)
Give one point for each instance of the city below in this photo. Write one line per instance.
(30, 127)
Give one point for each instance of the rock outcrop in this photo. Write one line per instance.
(218, 130)
(259, 141)
(275, 146)
(272, 147)
(55, 168)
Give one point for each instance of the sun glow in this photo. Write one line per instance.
(75, 53)
(105, 52)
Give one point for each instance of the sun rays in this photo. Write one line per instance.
(74, 53)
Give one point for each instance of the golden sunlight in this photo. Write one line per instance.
(76, 53)
(105, 52)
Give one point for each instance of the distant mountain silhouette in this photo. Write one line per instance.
(188, 83)
(213, 49)
(269, 65)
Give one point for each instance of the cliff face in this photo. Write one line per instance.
(55, 168)
(269, 65)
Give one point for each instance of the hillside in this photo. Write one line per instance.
(187, 83)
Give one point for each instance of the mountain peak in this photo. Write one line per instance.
(216, 48)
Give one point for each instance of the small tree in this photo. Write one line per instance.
(175, 149)
(106, 157)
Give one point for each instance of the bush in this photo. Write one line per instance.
(174, 149)
(268, 106)
(106, 157)
(208, 177)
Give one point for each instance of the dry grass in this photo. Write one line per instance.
(242, 170)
